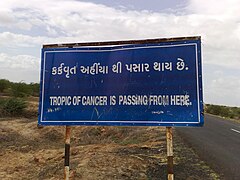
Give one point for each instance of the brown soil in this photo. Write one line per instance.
(101, 153)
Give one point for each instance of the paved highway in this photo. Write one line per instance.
(218, 144)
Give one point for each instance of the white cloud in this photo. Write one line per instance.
(19, 62)
(11, 39)
(222, 87)
(6, 17)
(221, 9)
(19, 68)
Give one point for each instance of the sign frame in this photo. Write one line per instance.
(66, 47)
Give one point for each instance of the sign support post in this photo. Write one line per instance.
(67, 152)
(169, 136)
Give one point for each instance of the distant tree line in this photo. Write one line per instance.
(223, 111)
(19, 89)
(13, 97)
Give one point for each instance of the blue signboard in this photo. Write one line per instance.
(151, 84)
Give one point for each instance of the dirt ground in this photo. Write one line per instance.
(97, 153)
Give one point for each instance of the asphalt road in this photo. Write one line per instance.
(217, 143)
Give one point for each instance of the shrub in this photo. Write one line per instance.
(12, 106)
(20, 89)
(4, 84)
(224, 111)
(35, 87)
(212, 109)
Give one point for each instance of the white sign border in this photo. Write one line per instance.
(122, 49)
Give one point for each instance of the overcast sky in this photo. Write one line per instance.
(26, 25)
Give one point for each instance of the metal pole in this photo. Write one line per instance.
(169, 135)
(67, 153)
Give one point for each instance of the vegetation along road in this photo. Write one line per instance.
(218, 144)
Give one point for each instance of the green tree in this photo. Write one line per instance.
(21, 89)
(4, 84)
(35, 87)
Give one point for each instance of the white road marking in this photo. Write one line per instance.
(235, 130)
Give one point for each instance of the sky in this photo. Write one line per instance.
(26, 25)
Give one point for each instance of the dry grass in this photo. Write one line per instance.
(28, 152)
